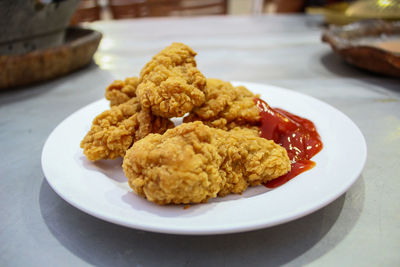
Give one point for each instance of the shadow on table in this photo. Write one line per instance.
(337, 65)
(104, 244)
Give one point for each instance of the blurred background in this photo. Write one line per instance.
(29, 26)
(92, 10)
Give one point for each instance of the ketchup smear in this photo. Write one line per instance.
(296, 134)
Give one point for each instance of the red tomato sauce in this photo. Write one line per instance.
(296, 134)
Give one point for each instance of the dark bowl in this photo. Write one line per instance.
(28, 25)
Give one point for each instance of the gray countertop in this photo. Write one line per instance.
(362, 227)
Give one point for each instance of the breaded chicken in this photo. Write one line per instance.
(170, 84)
(193, 163)
(119, 92)
(226, 106)
(114, 130)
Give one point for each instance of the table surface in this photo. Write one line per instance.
(362, 227)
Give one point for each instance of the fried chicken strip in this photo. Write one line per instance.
(119, 92)
(114, 130)
(170, 84)
(193, 163)
(226, 107)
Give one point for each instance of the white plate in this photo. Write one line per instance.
(101, 189)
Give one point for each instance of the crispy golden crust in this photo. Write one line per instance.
(193, 163)
(119, 92)
(226, 106)
(114, 130)
(170, 84)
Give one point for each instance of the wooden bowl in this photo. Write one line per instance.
(41, 65)
(372, 45)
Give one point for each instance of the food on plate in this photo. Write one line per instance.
(119, 92)
(229, 140)
(114, 130)
(226, 107)
(192, 163)
(170, 84)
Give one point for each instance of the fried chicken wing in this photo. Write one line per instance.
(226, 106)
(170, 84)
(114, 130)
(193, 163)
(119, 92)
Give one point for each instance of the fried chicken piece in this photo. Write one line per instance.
(226, 107)
(114, 130)
(170, 84)
(193, 163)
(119, 92)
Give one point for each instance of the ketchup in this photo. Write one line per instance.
(296, 134)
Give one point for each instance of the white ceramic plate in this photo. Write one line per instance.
(101, 189)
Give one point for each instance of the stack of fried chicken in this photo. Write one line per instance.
(214, 152)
